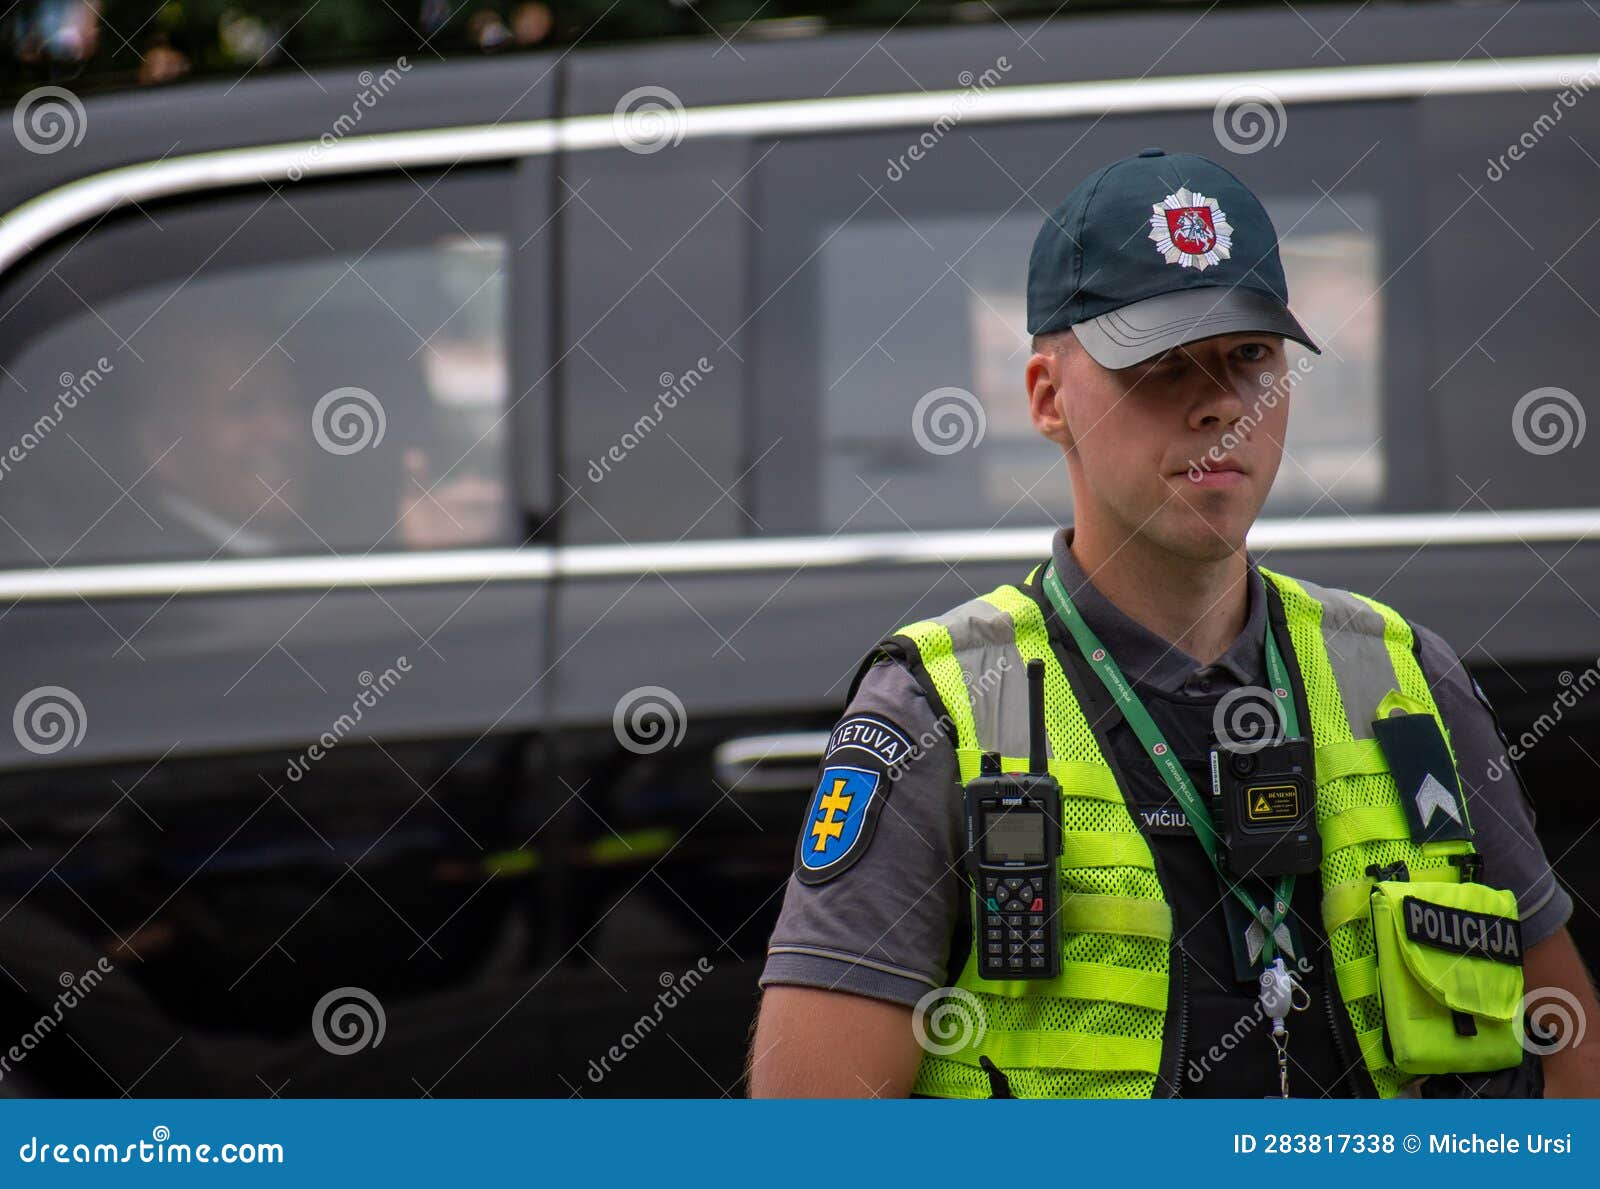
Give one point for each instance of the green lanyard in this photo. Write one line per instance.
(1167, 765)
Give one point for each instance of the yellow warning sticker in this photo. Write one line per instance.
(1272, 802)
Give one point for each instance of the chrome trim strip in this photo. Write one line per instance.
(781, 762)
(749, 750)
(37, 220)
(542, 563)
(241, 575)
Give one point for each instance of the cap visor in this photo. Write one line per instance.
(1146, 328)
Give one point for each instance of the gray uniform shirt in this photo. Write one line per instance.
(884, 927)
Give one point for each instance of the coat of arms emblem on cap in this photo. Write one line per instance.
(1190, 230)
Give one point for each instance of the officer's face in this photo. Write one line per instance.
(1180, 449)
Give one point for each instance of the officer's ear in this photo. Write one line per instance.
(1045, 378)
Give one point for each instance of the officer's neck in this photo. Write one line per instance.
(1198, 606)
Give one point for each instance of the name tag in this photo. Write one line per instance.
(1164, 819)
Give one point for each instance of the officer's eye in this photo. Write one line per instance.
(1258, 352)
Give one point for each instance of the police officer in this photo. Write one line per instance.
(1159, 310)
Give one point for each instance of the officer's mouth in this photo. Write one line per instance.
(1212, 475)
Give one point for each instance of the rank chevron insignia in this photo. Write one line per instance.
(1433, 796)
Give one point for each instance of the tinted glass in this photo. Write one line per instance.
(893, 321)
(248, 378)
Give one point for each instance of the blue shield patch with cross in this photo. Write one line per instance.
(834, 829)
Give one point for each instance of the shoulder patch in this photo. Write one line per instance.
(870, 734)
(843, 811)
(865, 754)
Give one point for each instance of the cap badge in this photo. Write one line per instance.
(1190, 230)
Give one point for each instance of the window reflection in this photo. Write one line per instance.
(932, 303)
(297, 408)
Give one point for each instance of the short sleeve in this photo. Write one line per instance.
(1498, 806)
(882, 926)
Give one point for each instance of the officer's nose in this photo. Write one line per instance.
(1220, 398)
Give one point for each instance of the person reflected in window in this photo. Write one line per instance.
(228, 451)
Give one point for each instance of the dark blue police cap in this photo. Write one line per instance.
(1155, 250)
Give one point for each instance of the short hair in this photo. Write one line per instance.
(1055, 342)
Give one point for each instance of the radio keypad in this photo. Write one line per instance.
(1014, 924)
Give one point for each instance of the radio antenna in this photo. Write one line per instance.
(1036, 760)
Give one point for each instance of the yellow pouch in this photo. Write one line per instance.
(1449, 975)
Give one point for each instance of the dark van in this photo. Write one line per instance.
(442, 504)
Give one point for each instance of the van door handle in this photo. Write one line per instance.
(783, 762)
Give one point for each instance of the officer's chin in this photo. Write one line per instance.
(1211, 529)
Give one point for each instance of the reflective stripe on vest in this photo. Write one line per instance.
(1097, 1029)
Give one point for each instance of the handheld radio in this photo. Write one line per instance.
(1013, 845)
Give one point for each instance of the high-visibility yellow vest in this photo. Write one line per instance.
(1097, 1030)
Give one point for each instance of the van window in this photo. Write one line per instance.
(259, 375)
(893, 334)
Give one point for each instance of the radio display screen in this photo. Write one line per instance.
(1013, 836)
